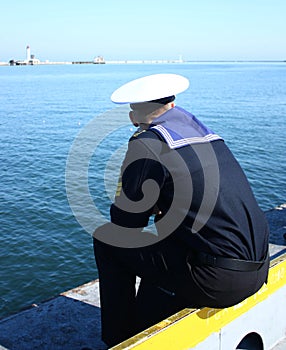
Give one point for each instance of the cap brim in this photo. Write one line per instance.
(149, 88)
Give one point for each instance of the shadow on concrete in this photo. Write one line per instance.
(61, 323)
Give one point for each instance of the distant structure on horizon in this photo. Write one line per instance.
(99, 60)
(28, 53)
(30, 59)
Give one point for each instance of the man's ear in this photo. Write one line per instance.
(133, 121)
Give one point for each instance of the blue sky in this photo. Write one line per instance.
(149, 29)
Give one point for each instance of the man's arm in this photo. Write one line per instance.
(142, 176)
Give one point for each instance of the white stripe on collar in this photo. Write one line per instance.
(173, 144)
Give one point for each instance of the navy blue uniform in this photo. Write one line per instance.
(207, 211)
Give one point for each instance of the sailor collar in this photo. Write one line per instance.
(180, 128)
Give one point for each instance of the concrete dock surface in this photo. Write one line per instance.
(71, 321)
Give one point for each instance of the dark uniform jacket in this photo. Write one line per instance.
(186, 171)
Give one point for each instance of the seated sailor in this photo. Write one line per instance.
(211, 246)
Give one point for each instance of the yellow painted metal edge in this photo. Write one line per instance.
(189, 327)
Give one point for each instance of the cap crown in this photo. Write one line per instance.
(149, 88)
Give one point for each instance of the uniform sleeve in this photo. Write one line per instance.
(136, 195)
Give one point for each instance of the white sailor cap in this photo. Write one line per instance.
(150, 88)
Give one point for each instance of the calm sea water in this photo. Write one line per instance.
(44, 250)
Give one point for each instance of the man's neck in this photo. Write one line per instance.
(156, 114)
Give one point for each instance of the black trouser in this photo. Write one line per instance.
(168, 284)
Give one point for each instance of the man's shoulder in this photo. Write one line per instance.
(144, 134)
(146, 141)
(137, 134)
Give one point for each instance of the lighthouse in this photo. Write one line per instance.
(28, 53)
